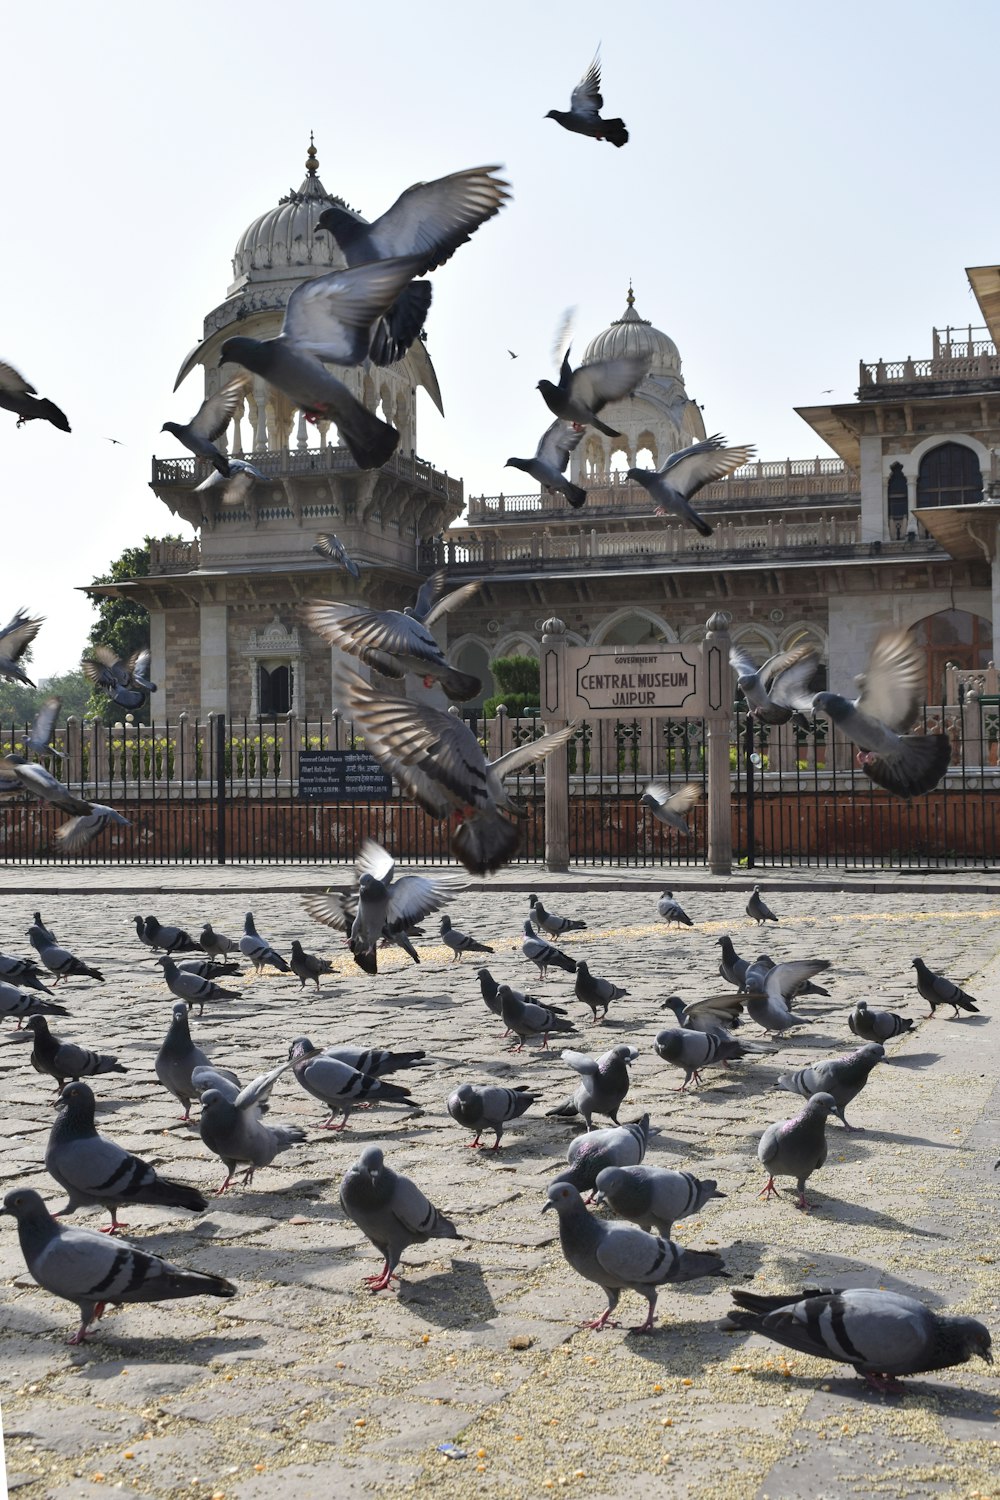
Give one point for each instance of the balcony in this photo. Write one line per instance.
(172, 555)
(964, 358)
(286, 463)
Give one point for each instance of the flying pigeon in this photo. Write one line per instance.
(604, 1082)
(332, 548)
(307, 966)
(548, 467)
(78, 832)
(211, 420)
(96, 1172)
(684, 473)
(15, 638)
(758, 909)
(480, 1108)
(395, 642)
(386, 907)
(550, 921)
(796, 1147)
(771, 690)
(583, 116)
(671, 807)
(192, 989)
(429, 221)
(18, 396)
(584, 392)
(672, 912)
(14, 1003)
(882, 1334)
(653, 1197)
(232, 1128)
(770, 986)
(719, 1013)
(177, 1059)
(877, 1025)
(877, 720)
(842, 1078)
(126, 683)
(527, 1018)
(937, 990)
(59, 961)
(236, 489)
(258, 950)
(543, 954)
(588, 1154)
(340, 1086)
(692, 1050)
(390, 1211)
(460, 942)
(92, 1270)
(595, 991)
(62, 1060)
(618, 1257)
(39, 736)
(40, 783)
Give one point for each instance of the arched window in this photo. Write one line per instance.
(897, 501)
(949, 475)
(473, 657)
(955, 638)
(634, 630)
(275, 689)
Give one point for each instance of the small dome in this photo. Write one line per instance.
(631, 335)
(284, 240)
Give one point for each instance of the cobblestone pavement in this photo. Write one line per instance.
(306, 1385)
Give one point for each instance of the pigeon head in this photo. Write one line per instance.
(670, 1044)
(518, 463)
(637, 474)
(445, 924)
(547, 388)
(38, 1025)
(180, 1012)
(465, 1093)
(674, 1003)
(302, 1047)
(627, 1054)
(839, 709)
(251, 353)
(563, 1197)
(173, 427)
(975, 1338)
(24, 1204)
(581, 967)
(77, 1099)
(371, 1160)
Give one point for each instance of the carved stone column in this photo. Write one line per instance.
(718, 723)
(557, 764)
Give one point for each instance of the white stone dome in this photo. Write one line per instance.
(630, 336)
(283, 241)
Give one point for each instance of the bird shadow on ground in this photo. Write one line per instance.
(912, 1060)
(898, 1138)
(826, 1270)
(156, 1351)
(451, 1299)
(855, 1213)
(425, 1002)
(971, 1406)
(964, 1020)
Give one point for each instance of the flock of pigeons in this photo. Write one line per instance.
(882, 1334)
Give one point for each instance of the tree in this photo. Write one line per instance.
(518, 680)
(122, 625)
(19, 704)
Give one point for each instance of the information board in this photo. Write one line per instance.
(622, 681)
(342, 776)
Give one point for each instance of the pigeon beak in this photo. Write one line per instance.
(986, 1353)
(547, 1205)
(717, 1194)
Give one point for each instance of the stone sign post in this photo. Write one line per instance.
(627, 682)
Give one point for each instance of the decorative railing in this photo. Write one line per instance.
(284, 463)
(968, 359)
(173, 555)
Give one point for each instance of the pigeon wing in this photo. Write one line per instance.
(892, 688)
(216, 412)
(331, 316)
(430, 220)
(581, 1062)
(412, 898)
(783, 978)
(635, 1257)
(366, 632)
(690, 468)
(13, 384)
(586, 98)
(258, 1090)
(453, 599)
(44, 723)
(18, 634)
(557, 444)
(333, 910)
(526, 754)
(607, 380)
(376, 861)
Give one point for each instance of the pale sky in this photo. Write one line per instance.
(803, 188)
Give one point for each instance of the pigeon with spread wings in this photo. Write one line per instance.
(583, 116)
(125, 682)
(15, 638)
(583, 392)
(670, 807)
(548, 466)
(209, 422)
(771, 689)
(685, 472)
(18, 396)
(333, 549)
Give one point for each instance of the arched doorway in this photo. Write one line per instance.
(949, 475)
(952, 637)
(634, 630)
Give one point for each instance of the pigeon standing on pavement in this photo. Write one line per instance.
(877, 1025)
(548, 466)
(529, 1018)
(215, 944)
(693, 1050)
(618, 1257)
(732, 967)
(258, 950)
(684, 473)
(796, 1147)
(209, 422)
(170, 939)
(595, 991)
(62, 1060)
(485, 1107)
(192, 989)
(937, 990)
(232, 1128)
(758, 909)
(588, 1154)
(550, 921)
(842, 1078)
(460, 942)
(584, 392)
(177, 1059)
(882, 1334)
(308, 966)
(604, 1082)
(338, 1085)
(94, 1270)
(94, 1171)
(583, 116)
(13, 1002)
(59, 961)
(672, 911)
(390, 1211)
(653, 1197)
(671, 807)
(543, 954)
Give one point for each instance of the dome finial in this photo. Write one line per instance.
(312, 163)
(630, 299)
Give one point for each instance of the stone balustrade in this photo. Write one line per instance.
(287, 463)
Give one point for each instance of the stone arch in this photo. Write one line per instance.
(950, 473)
(646, 451)
(625, 628)
(518, 643)
(803, 635)
(470, 654)
(755, 639)
(912, 460)
(955, 637)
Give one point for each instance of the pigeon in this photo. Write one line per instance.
(24, 971)
(877, 1025)
(796, 1147)
(732, 967)
(758, 909)
(394, 642)
(170, 939)
(96, 1172)
(126, 683)
(78, 832)
(588, 1154)
(937, 990)
(527, 1018)
(672, 912)
(258, 950)
(618, 1257)
(684, 473)
(14, 1003)
(768, 990)
(215, 944)
(583, 116)
(480, 1108)
(543, 954)
(670, 807)
(390, 1211)
(548, 467)
(385, 907)
(594, 991)
(62, 1060)
(439, 762)
(92, 1270)
(693, 1050)
(842, 1078)
(16, 636)
(882, 1334)
(39, 736)
(771, 690)
(460, 942)
(877, 720)
(204, 968)
(45, 932)
(331, 547)
(719, 1013)
(140, 931)
(584, 392)
(308, 966)
(550, 921)
(234, 1131)
(430, 220)
(235, 489)
(603, 1085)
(192, 989)
(341, 1087)
(177, 1059)
(18, 396)
(40, 783)
(59, 961)
(652, 1197)
(490, 990)
(209, 423)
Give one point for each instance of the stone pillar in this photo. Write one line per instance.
(553, 673)
(718, 722)
(158, 662)
(72, 770)
(213, 631)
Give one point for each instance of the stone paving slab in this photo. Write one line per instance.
(306, 1384)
